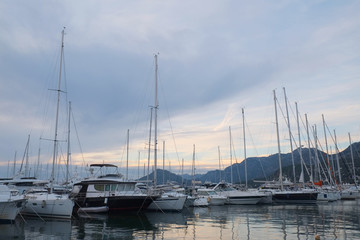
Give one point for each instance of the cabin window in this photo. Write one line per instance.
(99, 187)
(107, 187)
(113, 187)
(120, 187)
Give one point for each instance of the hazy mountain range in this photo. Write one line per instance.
(267, 168)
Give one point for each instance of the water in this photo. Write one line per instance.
(337, 220)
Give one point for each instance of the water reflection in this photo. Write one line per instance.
(337, 220)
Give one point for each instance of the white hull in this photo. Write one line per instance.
(48, 205)
(168, 203)
(201, 202)
(350, 194)
(10, 209)
(328, 196)
(242, 198)
(217, 201)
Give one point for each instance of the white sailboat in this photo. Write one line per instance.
(169, 201)
(39, 201)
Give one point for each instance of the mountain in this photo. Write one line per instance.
(267, 168)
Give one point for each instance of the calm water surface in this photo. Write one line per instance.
(337, 220)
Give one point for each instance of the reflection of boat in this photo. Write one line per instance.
(51, 229)
(157, 218)
(10, 203)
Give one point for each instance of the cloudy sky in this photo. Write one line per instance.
(215, 58)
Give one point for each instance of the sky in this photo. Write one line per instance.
(215, 58)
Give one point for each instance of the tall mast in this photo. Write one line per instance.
(57, 113)
(138, 165)
(219, 163)
(278, 140)
(317, 163)
(193, 170)
(68, 147)
(337, 158)
(290, 136)
(155, 126)
(14, 164)
(182, 172)
(308, 137)
(231, 165)
(300, 147)
(327, 148)
(127, 155)
(352, 160)
(163, 175)
(149, 149)
(243, 120)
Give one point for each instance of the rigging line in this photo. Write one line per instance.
(169, 119)
(77, 137)
(237, 164)
(257, 154)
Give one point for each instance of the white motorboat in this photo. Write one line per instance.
(169, 201)
(238, 197)
(11, 202)
(212, 197)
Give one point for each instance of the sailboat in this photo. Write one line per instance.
(292, 195)
(169, 200)
(40, 202)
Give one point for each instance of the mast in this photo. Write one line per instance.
(149, 149)
(27, 174)
(127, 155)
(337, 158)
(138, 165)
(317, 163)
(57, 113)
(327, 148)
(193, 170)
(278, 140)
(14, 164)
(300, 147)
(163, 175)
(219, 163)
(231, 166)
(155, 126)
(182, 172)
(68, 147)
(290, 136)
(352, 160)
(308, 137)
(243, 120)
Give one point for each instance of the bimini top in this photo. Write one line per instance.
(102, 165)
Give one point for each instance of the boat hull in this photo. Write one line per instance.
(116, 203)
(168, 204)
(295, 197)
(48, 205)
(10, 209)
